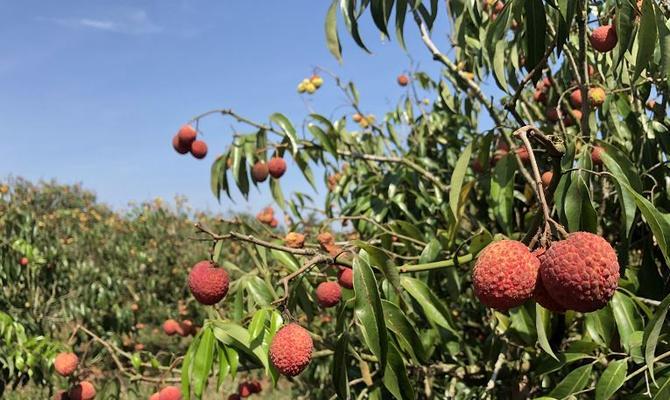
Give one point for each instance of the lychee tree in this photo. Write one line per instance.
(567, 159)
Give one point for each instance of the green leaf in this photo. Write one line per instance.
(348, 8)
(380, 10)
(332, 37)
(368, 309)
(224, 366)
(257, 324)
(186, 367)
(573, 382)
(407, 336)
(578, 207)
(202, 362)
(627, 320)
(652, 333)
(340, 367)
(322, 138)
(646, 38)
(621, 168)
(502, 191)
(536, 32)
(612, 379)
(395, 376)
(287, 129)
(400, 13)
(215, 176)
(542, 321)
(277, 194)
(566, 16)
(625, 17)
(457, 178)
(434, 309)
(600, 325)
(664, 40)
(240, 167)
(377, 258)
(430, 252)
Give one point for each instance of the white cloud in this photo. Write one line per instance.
(131, 22)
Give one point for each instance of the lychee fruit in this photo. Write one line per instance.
(325, 238)
(244, 389)
(604, 38)
(208, 283)
(552, 114)
(328, 294)
(596, 157)
(170, 393)
(234, 396)
(84, 390)
(295, 240)
(596, 96)
(581, 272)
(576, 98)
(543, 298)
(23, 261)
(186, 328)
(155, 396)
(522, 152)
(199, 149)
(345, 277)
(310, 87)
(357, 118)
(505, 274)
(274, 223)
(266, 215)
(186, 135)
(260, 171)
(291, 349)
(540, 96)
(276, 167)
(547, 176)
(134, 307)
(316, 80)
(171, 327)
(180, 147)
(66, 363)
(61, 395)
(570, 118)
(256, 386)
(403, 80)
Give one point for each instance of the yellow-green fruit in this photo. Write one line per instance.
(596, 96)
(310, 88)
(317, 81)
(301, 88)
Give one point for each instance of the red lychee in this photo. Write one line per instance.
(171, 327)
(234, 396)
(604, 38)
(23, 261)
(155, 396)
(186, 328)
(403, 80)
(266, 215)
(84, 390)
(596, 157)
(61, 395)
(325, 238)
(569, 120)
(505, 274)
(328, 294)
(291, 349)
(256, 386)
(576, 98)
(277, 167)
(552, 114)
(66, 363)
(581, 272)
(170, 393)
(540, 96)
(260, 171)
(180, 147)
(477, 166)
(208, 283)
(345, 277)
(199, 149)
(244, 389)
(186, 135)
(546, 178)
(543, 298)
(522, 152)
(274, 223)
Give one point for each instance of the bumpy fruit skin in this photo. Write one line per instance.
(155, 396)
(84, 390)
(260, 171)
(291, 349)
(294, 240)
(277, 167)
(604, 38)
(546, 178)
(180, 147)
(345, 277)
(505, 274)
(596, 96)
(542, 297)
(66, 363)
(171, 327)
(576, 98)
(581, 272)
(596, 157)
(199, 149)
(403, 80)
(186, 135)
(207, 283)
(328, 294)
(170, 393)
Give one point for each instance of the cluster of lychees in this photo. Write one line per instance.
(66, 365)
(246, 389)
(267, 216)
(310, 85)
(363, 121)
(186, 141)
(276, 168)
(184, 328)
(580, 273)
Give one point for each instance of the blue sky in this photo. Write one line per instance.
(93, 91)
